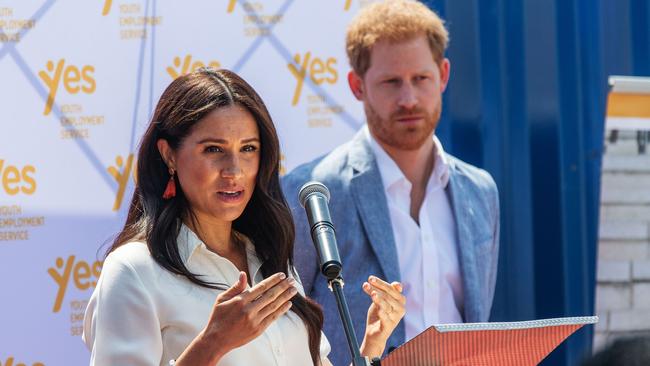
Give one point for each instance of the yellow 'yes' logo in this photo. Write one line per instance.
(283, 169)
(107, 7)
(16, 180)
(231, 6)
(347, 5)
(74, 79)
(10, 362)
(319, 72)
(81, 272)
(188, 65)
(120, 172)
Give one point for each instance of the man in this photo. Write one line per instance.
(404, 209)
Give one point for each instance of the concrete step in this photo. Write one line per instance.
(611, 196)
(625, 213)
(631, 181)
(624, 231)
(626, 163)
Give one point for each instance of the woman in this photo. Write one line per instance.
(201, 273)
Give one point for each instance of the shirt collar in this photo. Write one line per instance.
(441, 166)
(391, 173)
(190, 246)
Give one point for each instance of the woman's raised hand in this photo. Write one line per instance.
(240, 315)
(385, 312)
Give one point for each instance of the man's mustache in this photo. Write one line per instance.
(408, 113)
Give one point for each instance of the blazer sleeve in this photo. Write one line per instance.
(495, 244)
(121, 325)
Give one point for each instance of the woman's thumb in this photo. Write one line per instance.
(235, 289)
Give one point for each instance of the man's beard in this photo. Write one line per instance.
(391, 133)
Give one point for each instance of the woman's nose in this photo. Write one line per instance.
(233, 167)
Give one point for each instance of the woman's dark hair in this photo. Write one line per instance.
(266, 220)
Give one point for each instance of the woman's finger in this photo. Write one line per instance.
(397, 286)
(276, 314)
(367, 288)
(386, 304)
(278, 302)
(379, 296)
(233, 290)
(391, 289)
(268, 283)
(271, 294)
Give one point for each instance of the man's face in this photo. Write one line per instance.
(402, 92)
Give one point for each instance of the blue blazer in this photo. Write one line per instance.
(366, 242)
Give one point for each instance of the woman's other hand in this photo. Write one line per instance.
(387, 309)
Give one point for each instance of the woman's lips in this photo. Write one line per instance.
(230, 195)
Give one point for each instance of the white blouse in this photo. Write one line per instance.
(141, 314)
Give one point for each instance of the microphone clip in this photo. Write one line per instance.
(338, 280)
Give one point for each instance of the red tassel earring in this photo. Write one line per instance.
(170, 189)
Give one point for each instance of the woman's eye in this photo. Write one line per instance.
(249, 148)
(212, 149)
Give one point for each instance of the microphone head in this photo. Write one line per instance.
(310, 188)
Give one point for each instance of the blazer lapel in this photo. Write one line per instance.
(368, 194)
(466, 255)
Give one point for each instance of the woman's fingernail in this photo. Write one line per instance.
(291, 281)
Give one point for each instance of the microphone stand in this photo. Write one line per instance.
(336, 286)
(314, 196)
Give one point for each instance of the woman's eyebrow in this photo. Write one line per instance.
(222, 141)
(212, 139)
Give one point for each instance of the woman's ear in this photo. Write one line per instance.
(167, 153)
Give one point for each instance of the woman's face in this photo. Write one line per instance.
(217, 164)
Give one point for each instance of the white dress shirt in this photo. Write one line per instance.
(141, 314)
(427, 253)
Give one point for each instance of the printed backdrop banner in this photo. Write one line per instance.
(78, 84)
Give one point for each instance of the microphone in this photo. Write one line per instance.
(314, 196)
